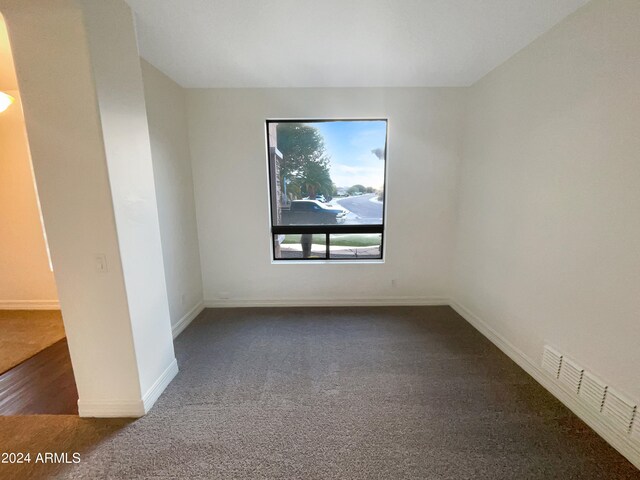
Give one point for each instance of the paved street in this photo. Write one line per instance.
(364, 210)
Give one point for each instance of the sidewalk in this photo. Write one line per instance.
(295, 251)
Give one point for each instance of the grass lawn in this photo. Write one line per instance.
(341, 240)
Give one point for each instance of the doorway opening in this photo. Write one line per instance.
(35, 367)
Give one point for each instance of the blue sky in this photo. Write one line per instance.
(349, 145)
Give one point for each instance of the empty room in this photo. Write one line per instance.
(357, 239)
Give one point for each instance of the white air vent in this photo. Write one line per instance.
(592, 391)
(551, 361)
(570, 374)
(619, 410)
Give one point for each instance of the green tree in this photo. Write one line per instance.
(305, 164)
(356, 189)
(316, 180)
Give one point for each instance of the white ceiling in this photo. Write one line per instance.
(338, 43)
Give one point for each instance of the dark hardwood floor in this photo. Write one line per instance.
(43, 384)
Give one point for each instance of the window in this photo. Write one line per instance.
(327, 180)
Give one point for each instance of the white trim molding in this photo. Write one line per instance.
(327, 302)
(188, 317)
(625, 444)
(149, 398)
(129, 408)
(110, 409)
(29, 305)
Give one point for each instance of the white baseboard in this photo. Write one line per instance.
(187, 319)
(326, 302)
(109, 409)
(132, 408)
(625, 444)
(149, 398)
(29, 305)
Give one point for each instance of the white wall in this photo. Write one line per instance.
(69, 165)
(87, 128)
(227, 138)
(120, 93)
(167, 116)
(548, 239)
(26, 281)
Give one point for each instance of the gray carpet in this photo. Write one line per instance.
(337, 393)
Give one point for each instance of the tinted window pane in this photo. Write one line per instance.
(355, 246)
(300, 247)
(327, 172)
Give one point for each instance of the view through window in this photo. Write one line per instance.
(327, 181)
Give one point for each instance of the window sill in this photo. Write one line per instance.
(324, 262)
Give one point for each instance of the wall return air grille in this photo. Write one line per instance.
(592, 391)
(570, 375)
(619, 410)
(620, 413)
(551, 361)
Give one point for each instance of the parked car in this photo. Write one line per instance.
(312, 212)
(320, 198)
